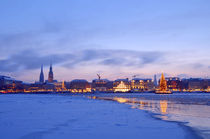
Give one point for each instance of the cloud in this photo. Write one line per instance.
(17, 40)
(41, 37)
(112, 61)
(32, 60)
(47, 36)
(183, 76)
(29, 60)
(197, 65)
(115, 58)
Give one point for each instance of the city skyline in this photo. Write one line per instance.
(118, 38)
(50, 76)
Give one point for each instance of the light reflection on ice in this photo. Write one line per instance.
(196, 116)
(193, 113)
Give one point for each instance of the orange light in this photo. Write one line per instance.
(121, 100)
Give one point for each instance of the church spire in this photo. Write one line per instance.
(50, 75)
(41, 77)
(155, 80)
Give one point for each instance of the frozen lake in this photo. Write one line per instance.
(54, 116)
(191, 109)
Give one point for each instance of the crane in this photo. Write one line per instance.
(134, 76)
(99, 76)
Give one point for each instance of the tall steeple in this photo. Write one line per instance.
(50, 75)
(41, 77)
(155, 80)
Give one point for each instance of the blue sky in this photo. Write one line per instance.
(116, 38)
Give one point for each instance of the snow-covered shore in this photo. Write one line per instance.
(52, 116)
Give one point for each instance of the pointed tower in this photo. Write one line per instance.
(163, 83)
(50, 75)
(155, 80)
(41, 77)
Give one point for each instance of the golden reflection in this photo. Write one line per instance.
(141, 106)
(120, 99)
(163, 106)
(133, 101)
(133, 106)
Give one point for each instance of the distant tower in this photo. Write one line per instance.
(163, 83)
(50, 75)
(41, 77)
(155, 80)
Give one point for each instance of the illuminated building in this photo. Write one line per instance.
(80, 86)
(37, 87)
(196, 84)
(50, 75)
(10, 84)
(60, 86)
(149, 85)
(41, 77)
(138, 84)
(121, 85)
(173, 83)
(100, 84)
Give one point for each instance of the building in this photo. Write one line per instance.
(138, 84)
(80, 86)
(196, 84)
(10, 84)
(109, 86)
(39, 87)
(100, 85)
(121, 85)
(149, 85)
(60, 86)
(173, 83)
(184, 84)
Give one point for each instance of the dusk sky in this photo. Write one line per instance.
(116, 38)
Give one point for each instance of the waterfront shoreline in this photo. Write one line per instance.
(191, 132)
(199, 101)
